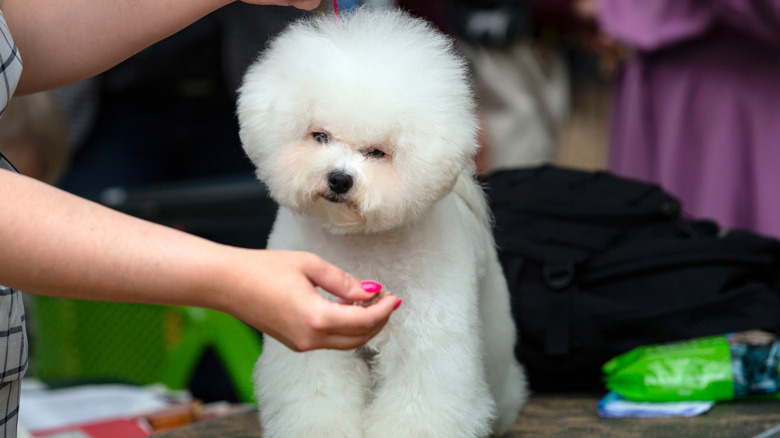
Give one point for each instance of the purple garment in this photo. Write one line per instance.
(697, 108)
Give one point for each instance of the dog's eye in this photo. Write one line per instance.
(375, 153)
(320, 137)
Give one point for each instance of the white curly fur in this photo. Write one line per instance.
(413, 219)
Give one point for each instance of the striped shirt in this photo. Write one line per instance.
(11, 67)
(13, 335)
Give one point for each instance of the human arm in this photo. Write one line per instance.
(54, 243)
(62, 42)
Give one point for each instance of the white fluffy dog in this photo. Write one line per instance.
(364, 131)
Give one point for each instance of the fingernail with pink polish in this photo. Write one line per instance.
(371, 286)
(397, 305)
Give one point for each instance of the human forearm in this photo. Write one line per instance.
(57, 244)
(64, 41)
(54, 243)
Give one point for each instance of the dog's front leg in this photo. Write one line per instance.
(318, 394)
(430, 379)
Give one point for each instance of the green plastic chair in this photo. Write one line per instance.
(88, 341)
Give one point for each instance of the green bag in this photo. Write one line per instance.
(723, 367)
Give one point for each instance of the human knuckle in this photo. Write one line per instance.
(365, 325)
(304, 345)
(310, 259)
(317, 322)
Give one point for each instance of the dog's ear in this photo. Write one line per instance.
(268, 116)
(287, 114)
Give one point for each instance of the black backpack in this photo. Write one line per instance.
(599, 264)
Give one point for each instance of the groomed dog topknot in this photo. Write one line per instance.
(380, 76)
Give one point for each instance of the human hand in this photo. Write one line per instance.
(279, 297)
(300, 4)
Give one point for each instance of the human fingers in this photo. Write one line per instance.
(348, 342)
(305, 4)
(372, 287)
(340, 341)
(300, 4)
(338, 326)
(338, 282)
(357, 321)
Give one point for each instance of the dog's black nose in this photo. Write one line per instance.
(339, 182)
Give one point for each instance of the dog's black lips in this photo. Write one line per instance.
(334, 198)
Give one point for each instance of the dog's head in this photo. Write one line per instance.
(363, 122)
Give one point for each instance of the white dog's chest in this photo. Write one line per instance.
(439, 250)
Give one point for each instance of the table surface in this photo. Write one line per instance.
(569, 416)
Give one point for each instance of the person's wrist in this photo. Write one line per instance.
(217, 282)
